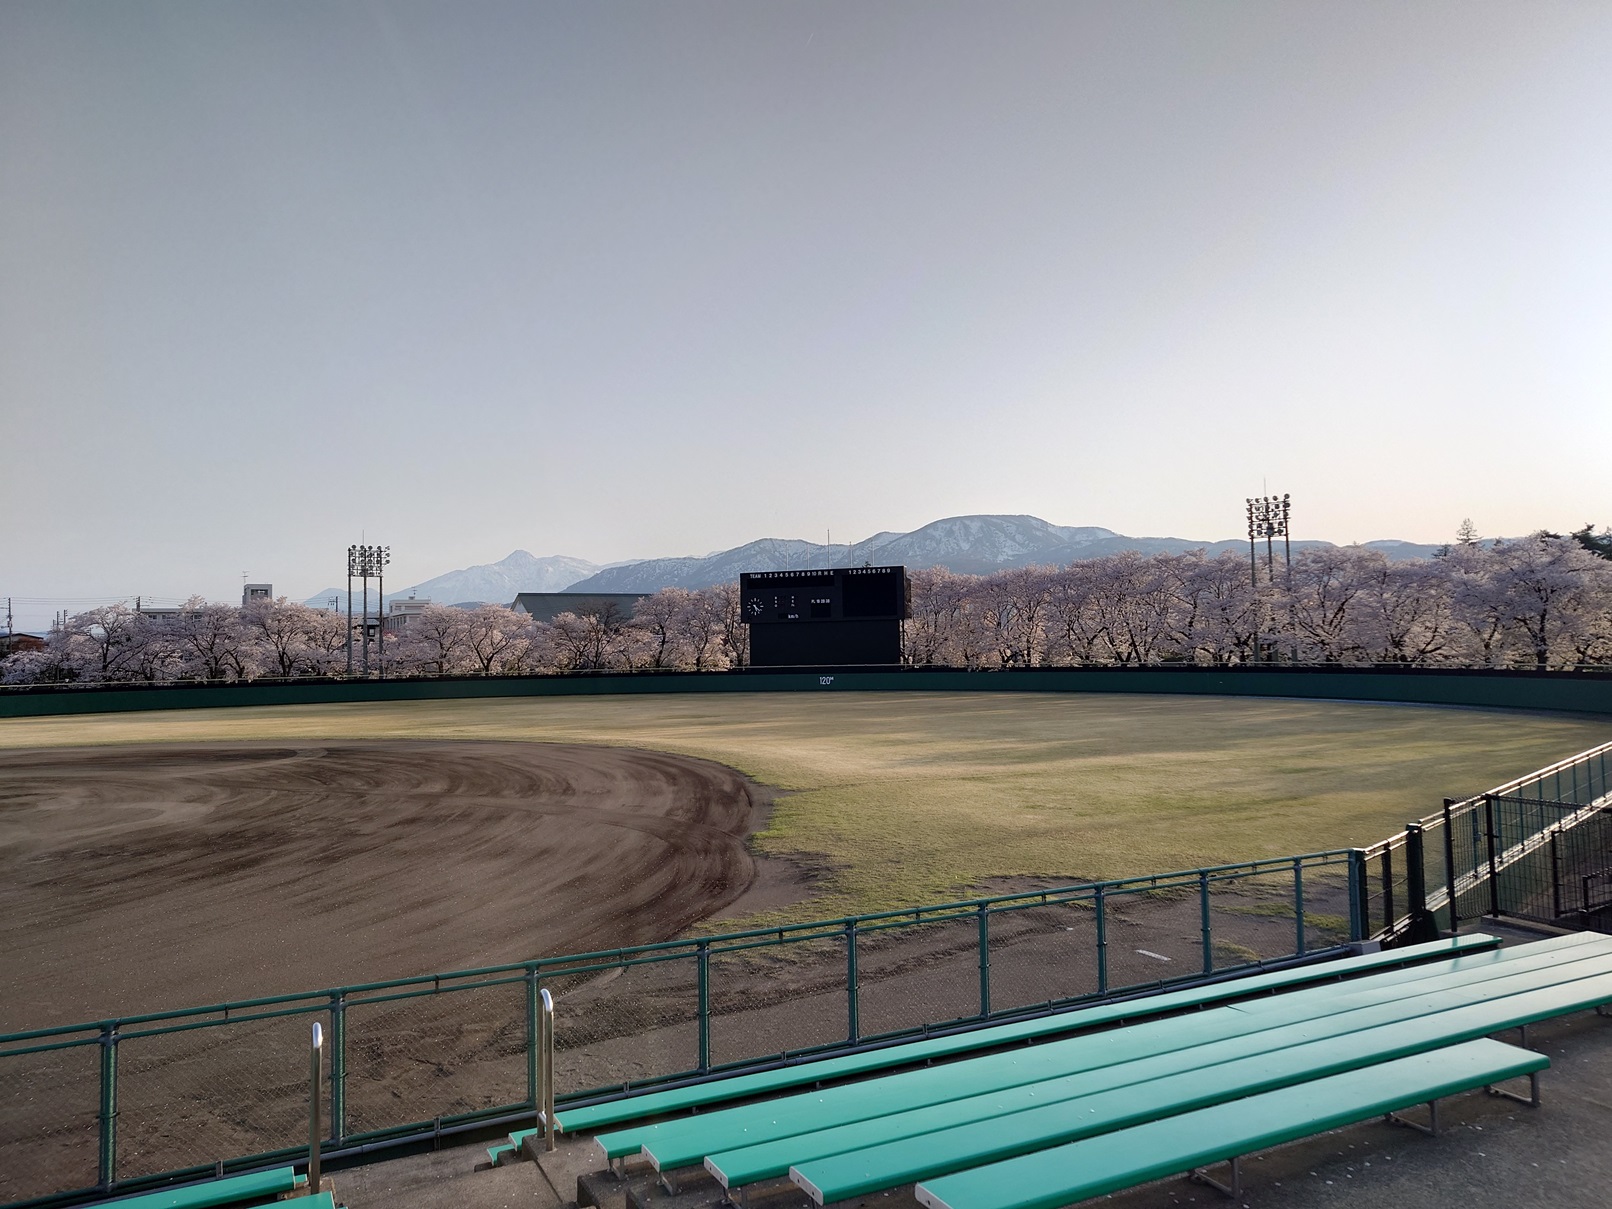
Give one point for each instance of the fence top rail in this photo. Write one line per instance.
(577, 963)
(1500, 791)
(1545, 803)
(1579, 671)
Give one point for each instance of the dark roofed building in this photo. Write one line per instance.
(546, 606)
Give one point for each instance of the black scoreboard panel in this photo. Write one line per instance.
(838, 618)
(843, 594)
(837, 644)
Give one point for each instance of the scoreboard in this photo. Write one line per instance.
(848, 615)
(844, 594)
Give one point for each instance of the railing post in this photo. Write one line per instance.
(108, 1151)
(1203, 922)
(1449, 863)
(1494, 874)
(534, 1088)
(1389, 918)
(546, 1095)
(338, 1068)
(853, 1012)
(705, 1005)
(1555, 876)
(1422, 924)
(985, 959)
(1102, 944)
(316, 1058)
(1357, 894)
(1298, 905)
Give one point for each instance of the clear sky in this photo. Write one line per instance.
(632, 279)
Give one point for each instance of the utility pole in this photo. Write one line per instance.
(352, 566)
(380, 605)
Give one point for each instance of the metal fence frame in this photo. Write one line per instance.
(1194, 895)
(1510, 851)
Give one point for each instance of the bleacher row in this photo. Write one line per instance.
(1046, 1112)
(236, 1192)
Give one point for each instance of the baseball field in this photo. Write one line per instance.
(151, 861)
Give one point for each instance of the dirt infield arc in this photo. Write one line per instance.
(145, 878)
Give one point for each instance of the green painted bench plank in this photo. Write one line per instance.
(649, 1104)
(1125, 1054)
(688, 1140)
(1063, 1175)
(1586, 952)
(878, 1168)
(257, 1185)
(1081, 1106)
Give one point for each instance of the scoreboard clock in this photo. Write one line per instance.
(844, 616)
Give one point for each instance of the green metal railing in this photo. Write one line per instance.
(125, 1104)
(1521, 849)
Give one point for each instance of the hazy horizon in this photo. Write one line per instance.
(649, 280)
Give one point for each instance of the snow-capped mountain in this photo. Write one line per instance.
(973, 545)
(492, 582)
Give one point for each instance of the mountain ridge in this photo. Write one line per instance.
(975, 544)
(496, 582)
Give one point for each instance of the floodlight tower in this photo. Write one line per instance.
(352, 570)
(364, 562)
(1268, 518)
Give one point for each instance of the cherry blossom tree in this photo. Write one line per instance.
(590, 641)
(1217, 611)
(697, 626)
(493, 637)
(210, 639)
(1012, 604)
(734, 633)
(655, 618)
(281, 632)
(1405, 613)
(938, 602)
(1075, 630)
(434, 641)
(1547, 583)
(1326, 583)
(324, 642)
(98, 643)
(1133, 597)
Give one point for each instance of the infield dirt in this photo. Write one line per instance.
(142, 879)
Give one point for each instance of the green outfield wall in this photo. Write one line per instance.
(1566, 692)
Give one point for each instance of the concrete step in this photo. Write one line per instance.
(458, 1176)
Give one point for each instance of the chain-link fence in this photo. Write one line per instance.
(119, 1104)
(1536, 848)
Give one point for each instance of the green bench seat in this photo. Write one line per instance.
(593, 1117)
(232, 1190)
(882, 1167)
(1063, 1175)
(851, 1066)
(1135, 1054)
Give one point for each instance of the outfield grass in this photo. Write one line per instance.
(911, 797)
